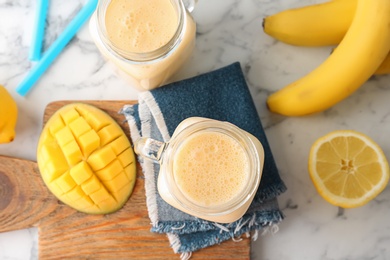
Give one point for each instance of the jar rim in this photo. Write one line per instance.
(150, 56)
(237, 201)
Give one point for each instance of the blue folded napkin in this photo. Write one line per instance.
(222, 95)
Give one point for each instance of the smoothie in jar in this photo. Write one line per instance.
(211, 169)
(140, 26)
(147, 40)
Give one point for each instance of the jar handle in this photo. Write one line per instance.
(190, 4)
(149, 148)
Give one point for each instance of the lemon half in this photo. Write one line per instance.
(348, 168)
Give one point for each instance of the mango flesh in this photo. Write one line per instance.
(86, 160)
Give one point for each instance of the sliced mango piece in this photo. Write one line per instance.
(75, 194)
(81, 172)
(129, 172)
(110, 171)
(126, 157)
(91, 185)
(117, 183)
(118, 145)
(86, 204)
(69, 115)
(109, 133)
(56, 126)
(72, 153)
(65, 182)
(86, 160)
(106, 204)
(54, 162)
(64, 136)
(101, 158)
(119, 193)
(89, 142)
(100, 195)
(79, 126)
(95, 121)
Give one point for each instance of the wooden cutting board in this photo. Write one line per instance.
(65, 233)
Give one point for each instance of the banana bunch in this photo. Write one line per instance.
(8, 116)
(316, 25)
(361, 30)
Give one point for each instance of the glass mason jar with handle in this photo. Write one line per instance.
(122, 31)
(209, 169)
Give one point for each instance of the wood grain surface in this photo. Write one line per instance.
(65, 233)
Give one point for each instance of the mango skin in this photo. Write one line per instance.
(86, 160)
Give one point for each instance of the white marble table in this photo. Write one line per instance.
(228, 31)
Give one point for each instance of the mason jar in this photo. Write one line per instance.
(209, 169)
(145, 69)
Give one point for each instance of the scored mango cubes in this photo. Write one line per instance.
(86, 160)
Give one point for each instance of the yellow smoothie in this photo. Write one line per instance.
(211, 168)
(147, 41)
(140, 25)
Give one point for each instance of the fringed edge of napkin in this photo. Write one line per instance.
(252, 230)
(253, 220)
(146, 99)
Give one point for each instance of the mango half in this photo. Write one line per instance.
(86, 160)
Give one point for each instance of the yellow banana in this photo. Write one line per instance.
(8, 116)
(359, 54)
(314, 25)
(384, 68)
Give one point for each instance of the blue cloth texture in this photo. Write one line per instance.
(222, 95)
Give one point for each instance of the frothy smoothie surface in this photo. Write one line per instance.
(211, 168)
(140, 25)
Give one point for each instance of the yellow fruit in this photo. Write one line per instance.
(8, 116)
(352, 63)
(348, 168)
(316, 25)
(86, 160)
(384, 68)
(313, 25)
